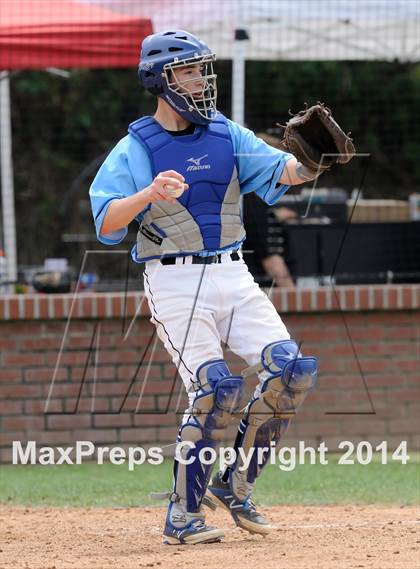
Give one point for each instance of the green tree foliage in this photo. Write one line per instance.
(378, 102)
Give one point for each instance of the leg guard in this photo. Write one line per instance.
(267, 417)
(210, 415)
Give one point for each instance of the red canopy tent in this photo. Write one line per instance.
(35, 34)
(39, 34)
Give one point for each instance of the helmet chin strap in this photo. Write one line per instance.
(169, 117)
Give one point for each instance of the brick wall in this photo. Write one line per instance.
(74, 368)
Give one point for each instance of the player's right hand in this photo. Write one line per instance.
(162, 185)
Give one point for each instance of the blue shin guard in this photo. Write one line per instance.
(267, 417)
(209, 417)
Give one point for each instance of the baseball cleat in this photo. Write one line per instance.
(193, 533)
(244, 513)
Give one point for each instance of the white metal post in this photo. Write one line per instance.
(238, 76)
(7, 189)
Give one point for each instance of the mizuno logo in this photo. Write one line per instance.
(197, 163)
(232, 505)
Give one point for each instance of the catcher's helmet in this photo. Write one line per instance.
(163, 52)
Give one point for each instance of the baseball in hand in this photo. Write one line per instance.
(175, 191)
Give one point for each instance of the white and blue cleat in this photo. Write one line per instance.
(244, 513)
(194, 532)
(186, 528)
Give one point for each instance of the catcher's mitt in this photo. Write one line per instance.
(316, 140)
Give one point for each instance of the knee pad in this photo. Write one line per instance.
(267, 417)
(292, 377)
(218, 399)
(210, 414)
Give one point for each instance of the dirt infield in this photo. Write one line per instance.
(305, 538)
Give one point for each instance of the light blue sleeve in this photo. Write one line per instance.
(259, 164)
(126, 170)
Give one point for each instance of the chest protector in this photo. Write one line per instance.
(207, 216)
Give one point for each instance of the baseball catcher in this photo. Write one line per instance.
(180, 175)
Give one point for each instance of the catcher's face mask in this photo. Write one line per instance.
(193, 83)
(162, 71)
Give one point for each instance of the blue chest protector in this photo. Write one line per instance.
(206, 217)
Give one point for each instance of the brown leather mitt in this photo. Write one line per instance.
(316, 140)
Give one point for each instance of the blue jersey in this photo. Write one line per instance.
(128, 169)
